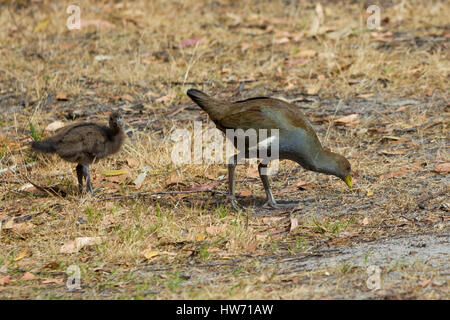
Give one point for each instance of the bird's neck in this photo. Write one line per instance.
(324, 162)
(116, 137)
(116, 130)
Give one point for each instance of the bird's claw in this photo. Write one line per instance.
(274, 205)
(232, 200)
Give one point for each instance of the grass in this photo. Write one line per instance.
(395, 79)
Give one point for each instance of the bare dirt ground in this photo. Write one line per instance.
(379, 97)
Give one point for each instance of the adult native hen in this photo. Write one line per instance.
(297, 140)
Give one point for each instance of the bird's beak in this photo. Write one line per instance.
(348, 180)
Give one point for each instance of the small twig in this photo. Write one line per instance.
(17, 25)
(7, 96)
(48, 190)
(331, 121)
(12, 181)
(96, 102)
(145, 194)
(22, 218)
(432, 196)
(15, 168)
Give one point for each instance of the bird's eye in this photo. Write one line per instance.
(347, 168)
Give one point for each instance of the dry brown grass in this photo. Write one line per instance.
(206, 250)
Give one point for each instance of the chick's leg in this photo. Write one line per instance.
(87, 176)
(80, 177)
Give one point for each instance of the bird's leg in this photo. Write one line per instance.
(87, 176)
(231, 186)
(80, 177)
(265, 181)
(270, 199)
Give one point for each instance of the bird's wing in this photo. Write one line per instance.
(264, 113)
(248, 119)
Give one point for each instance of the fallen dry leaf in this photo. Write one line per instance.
(61, 96)
(116, 176)
(281, 40)
(41, 25)
(148, 254)
(288, 189)
(132, 162)
(251, 247)
(113, 173)
(304, 185)
(344, 235)
(442, 167)
(139, 180)
(402, 108)
(300, 185)
(54, 126)
(245, 193)
(401, 171)
(425, 283)
(21, 255)
(394, 152)
(185, 43)
(102, 57)
(365, 95)
(22, 227)
(24, 263)
(54, 280)
(76, 245)
(52, 265)
(5, 280)
(165, 98)
(245, 46)
(299, 61)
(125, 97)
(365, 221)
(212, 230)
(28, 276)
(349, 120)
(101, 24)
(313, 90)
(294, 224)
(67, 45)
(391, 138)
(386, 36)
(200, 237)
(306, 54)
(204, 187)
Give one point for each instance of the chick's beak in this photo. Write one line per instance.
(348, 180)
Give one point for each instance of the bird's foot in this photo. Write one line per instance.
(232, 200)
(88, 190)
(281, 204)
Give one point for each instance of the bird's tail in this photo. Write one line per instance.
(214, 108)
(43, 146)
